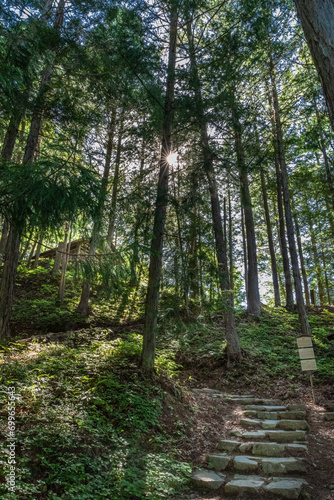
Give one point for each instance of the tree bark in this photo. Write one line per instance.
(38, 252)
(329, 176)
(316, 260)
(10, 137)
(302, 262)
(4, 236)
(230, 240)
(274, 272)
(232, 339)
(66, 257)
(58, 258)
(83, 307)
(32, 251)
(193, 264)
(289, 302)
(115, 183)
(17, 225)
(8, 281)
(305, 327)
(244, 248)
(253, 295)
(316, 18)
(326, 276)
(152, 297)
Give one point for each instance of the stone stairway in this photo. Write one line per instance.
(265, 457)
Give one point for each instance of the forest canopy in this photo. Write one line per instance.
(188, 147)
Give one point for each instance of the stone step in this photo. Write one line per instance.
(244, 484)
(207, 479)
(264, 408)
(255, 401)
(329, 416)
(268, 465)
(261, 448)
(276, 415)
(288, 425)
(207, 390)
(289, 488)
(272, 435)
(246, 463)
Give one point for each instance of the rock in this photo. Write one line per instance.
(286, 488)
(246, 447)
(207, 479)
(250, 413)
(270, 402)
(228, 445)
(268, 449)
(292, 425)
(253, 435)
(267, 415)
(265, 408)
(329, 416)
(286, 436)
(236, 433)
(218, 461)
(269, 424)
(331, 486)
(279, 465)
(244, 484)
(245, 463)
(250, 422)
(244, 401)
(229, 396)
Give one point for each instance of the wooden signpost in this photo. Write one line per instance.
(307, 358)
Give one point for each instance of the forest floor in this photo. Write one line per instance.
(91, 425)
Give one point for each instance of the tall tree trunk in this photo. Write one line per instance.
(253, 295)
(10, 137)
(38, 251)
(329, 176)
(83, 307)
(244, 248)
(305, 327)
(4, 236)
(316, 18)
(17, 226)
(316, 259)
(24, 249)
(32, 251)
(289, 302)
(8, 282)
(326, 276)
(302, 261)
(66, 258)
(274, 272)
(152, 297)
(58, 257)
(115, 183)
(230, 240)
(193, 264)
(232, 339)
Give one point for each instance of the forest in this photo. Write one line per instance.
(167, 226)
